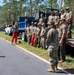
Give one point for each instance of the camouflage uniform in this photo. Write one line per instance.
(51, 18)
(28, 34)
(34, 30)
(33, 35)
(56, 21)
(14, 32)
(63, 14)
(31, 30)
(69, 24)
(45, 32)
(53, 43)
(42, 19)
(37, 38)
(63, 28)
(43, 37)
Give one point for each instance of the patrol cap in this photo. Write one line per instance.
(43, 24)
(62, 19)
(52, 12)
(62, 10)
(35, 23)
(67, 8)
(48, 23)
(32, 22)
(39, 23)
(51, 23)
(56, 11)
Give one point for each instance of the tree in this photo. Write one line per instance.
(13, 8)
(52, 3)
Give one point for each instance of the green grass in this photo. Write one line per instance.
(69, 64)
(73, 32)
(2, 34)
(38, 51)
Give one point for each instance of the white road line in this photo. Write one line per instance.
(38, 57)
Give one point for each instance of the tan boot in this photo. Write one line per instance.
(56, 68)
(52, 69)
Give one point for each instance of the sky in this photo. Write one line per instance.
(1, 2)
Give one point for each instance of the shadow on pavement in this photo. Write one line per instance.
(2, 56)
(70, 71)
(59, 71)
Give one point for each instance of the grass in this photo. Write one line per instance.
(72, 32)
(69, 64)
(38, 51)
(3, 35)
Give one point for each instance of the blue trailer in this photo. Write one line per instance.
(22, 22)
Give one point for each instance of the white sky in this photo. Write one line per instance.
(1, 2)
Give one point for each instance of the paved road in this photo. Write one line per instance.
(16, 62)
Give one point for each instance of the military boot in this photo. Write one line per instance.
(56, 68)
(52, 69)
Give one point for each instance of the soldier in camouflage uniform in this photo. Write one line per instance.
(51, 17)
(53, 44)
(32, 28)
(62, 39)
(69, 22)
(56, 19)
(42, 35)
(37, 35)
(63, 14)
(28, 33)
(14, 33)
(45, 32)
(33, 35)
(32, 32)
(41, 19)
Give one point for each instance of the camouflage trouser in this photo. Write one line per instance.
(53, 57)
(37, 42)
(28, 39)
(42, 42)
(69, 33)
(62, 51)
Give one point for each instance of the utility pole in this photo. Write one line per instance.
(30, 8)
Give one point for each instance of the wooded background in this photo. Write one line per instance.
(11, 9)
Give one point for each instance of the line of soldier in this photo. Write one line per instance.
(42, 23)
(53, 37)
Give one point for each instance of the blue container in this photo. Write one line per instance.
(22, 22)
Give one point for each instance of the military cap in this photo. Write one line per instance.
(62, 10)
(35, 23)
(32, 22)
(39, 23)
(62, 19)
(51, 23)
(67, 8)
(43, 24)
(56, 11)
